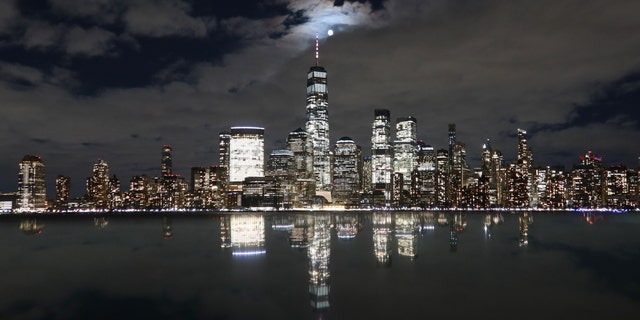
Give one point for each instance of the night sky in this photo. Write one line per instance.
(87, 79)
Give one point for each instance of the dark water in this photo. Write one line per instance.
(331, 266)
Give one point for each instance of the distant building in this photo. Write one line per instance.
(167, 164)
(63, 192)
(405, 150)
(381, 157)
(98, 185)
(32, 195)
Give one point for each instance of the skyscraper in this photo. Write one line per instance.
(300, 144)
(381, 153)
(405, 150)
(32, 195)
(63, 187)
(98, 185)
(167, 167)
(246, 153)
(347, 170)
(225, 138)
(318, 124)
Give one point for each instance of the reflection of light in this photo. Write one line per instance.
(249, 253)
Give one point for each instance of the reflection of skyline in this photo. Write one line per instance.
(319, 255)
(100, 222)
(31, 227)
(490, 221)
(302, 231)
(524, 220)
(167, 228)
(244, 234)
(406, 231)
(347, 225)
(382, 222)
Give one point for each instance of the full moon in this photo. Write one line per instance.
(330, 32)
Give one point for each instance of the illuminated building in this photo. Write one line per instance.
(382, 222)
(491, 182)
(347, 171)
(32, 193)
(617, 188)
(459, 176)
(63, 190)
(405, 150)
(586, 183)
(114, 195)
(167, 167)
(381, 156)
(98, 185)
(366, 174)
(282, 167)
(522, 184)
(406, 231)
(140, 188)
(246, 235)
(225, 140)
(424, 177)
(206, 187)
(317, 124)
(261, 192)
(397, 190)
(301, 145)
(171, 192)
(319, 253)
(246, 153)
(442, 177)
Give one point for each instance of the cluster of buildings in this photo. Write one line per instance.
(400, 172)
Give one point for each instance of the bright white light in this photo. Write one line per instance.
(330, 32)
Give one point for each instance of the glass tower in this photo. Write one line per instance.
(317, 124)
(381, 152)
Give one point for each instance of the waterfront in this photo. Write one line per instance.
(329, 265)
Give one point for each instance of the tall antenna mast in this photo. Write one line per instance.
(317, 48)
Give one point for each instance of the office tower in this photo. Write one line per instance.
(366, 174)
(225, 139)
(347, 171)
(140, 192)
(114, 194)
(281, 166)
(381, 155)
(167, 167)
(32, 195)
(301, 145)
(63, 190)
(318, 124)
(424, 177)
(246, 153)
(491, 184)
(586, 180)
(405, 150)
(98, 185)
(523, 180)
(442, 177)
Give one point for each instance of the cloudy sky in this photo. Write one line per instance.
(87, 79)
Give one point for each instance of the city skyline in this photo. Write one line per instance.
(490, 68)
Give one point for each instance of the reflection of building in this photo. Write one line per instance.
(491, 220)
(302, 233)
(406, 230)
(31, 227)
(524, 221)
(100, 222)
(167, 230)
(457, 224)
(319, 254)
(246, 234)
(32, 194)
(382, 222)
(347, 225)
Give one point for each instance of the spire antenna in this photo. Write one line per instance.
(317, 48)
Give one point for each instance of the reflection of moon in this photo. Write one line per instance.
(330, 32)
